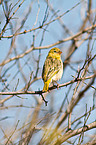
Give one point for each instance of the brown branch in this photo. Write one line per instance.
(75, 132)
(33, 29)
(74, 102)
(8, 19)
(51, 88)
(88, 112)
(41, 92)
(5, 99)
(48, 46)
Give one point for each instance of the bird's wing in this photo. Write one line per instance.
(50, 68)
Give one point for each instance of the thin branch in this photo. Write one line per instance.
(48, 46)
(51, 88)
(75, 132)
(26, 31)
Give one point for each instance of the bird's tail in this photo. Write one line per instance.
(46, 85)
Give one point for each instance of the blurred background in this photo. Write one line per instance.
(28, 30)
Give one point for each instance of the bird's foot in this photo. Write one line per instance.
(56, 83)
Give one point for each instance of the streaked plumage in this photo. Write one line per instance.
(53, 68)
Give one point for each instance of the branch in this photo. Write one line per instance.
(51, 88)
(8, 19)
(48, 46)
(75, 132)
(33, 29)
(74, 102)
(41, 92)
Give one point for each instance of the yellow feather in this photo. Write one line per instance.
(46, 85)
(53, 68)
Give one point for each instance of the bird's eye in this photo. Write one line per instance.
(54, 50)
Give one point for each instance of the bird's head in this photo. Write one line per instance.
(55, 53)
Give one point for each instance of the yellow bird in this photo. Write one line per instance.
(53, 68)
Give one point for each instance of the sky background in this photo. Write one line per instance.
(73, 20)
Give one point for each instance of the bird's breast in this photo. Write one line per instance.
(58, 75)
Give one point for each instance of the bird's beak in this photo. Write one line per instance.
(60, 52)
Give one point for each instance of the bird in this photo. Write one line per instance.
(52, 68)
